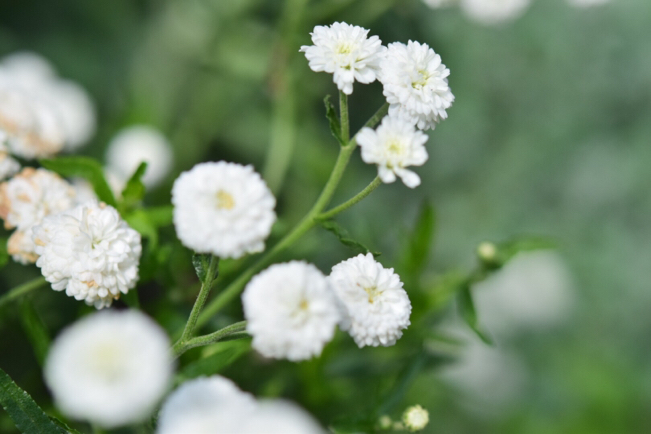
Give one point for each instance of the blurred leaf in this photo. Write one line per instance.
(134, 190)
(83, 167)
(35, 330)
(221, 356)
(343, 237)
(131, 299)
(160, 216)
(201, 263)
(469, 313)
(4, 255)
(333, 120)
(419, 242)
(140, 220)
(28, 417)
(404, 381)
(507, 250)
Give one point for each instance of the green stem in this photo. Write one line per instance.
(21, 290)
(352, 201)
(200, 341)
(343, 115)
(377, 117)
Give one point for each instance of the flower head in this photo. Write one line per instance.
(439, 4)
(416, 84)
(223, 208)
(492, 12)
(90, 252)
(375, 306)
(110, 368)
(394, 146)
(8, 166)
(345, 51)
(415, 418)
(280, 417)
(290, 311)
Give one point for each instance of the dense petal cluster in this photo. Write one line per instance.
(492, 12)
(394, 146)
(215, 404)
(90, 252)
(223, 208)
(416, 84)
(110, 368)
(137, 144)
(375, 306)
(8, 166)
(290, 311)
(346, 52)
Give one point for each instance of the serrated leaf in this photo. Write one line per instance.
(83, 167)
(469, 313)
(222, 356)
(201, 262)
(333, 120)
(26, 414)
(344, 238)
(134, 190)
(35, 330)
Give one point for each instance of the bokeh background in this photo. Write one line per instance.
(549, 136)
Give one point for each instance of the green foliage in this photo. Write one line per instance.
(469, 313)
(201, 263)
(83, 167)
(4, 255)
(344, 238)
(35, 330)
(215, 359)
(134, 190)
(333, 120)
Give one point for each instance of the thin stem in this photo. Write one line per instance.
(352, 201)
(343, 115)
(199, 341)
(21, 290)
(377, 117)
(211, 273)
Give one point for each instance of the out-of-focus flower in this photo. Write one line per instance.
(280, 417)
(21, 246)
(137, 144)
(346, 52)
(394, 146)
(110, 368)
(439, 4)
(492, 12)
(223, 208)
(588, 3)
(290, 311)
(415, 418)
(90, 252)
(8, 166)
(375, 306)
(416, 84)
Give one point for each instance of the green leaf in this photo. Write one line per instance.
(131, 299)
(140, 220)
(201, 262)
(419, 242)
(160, 216)
(216, 358)
(509, 249)
(469, 313)
(83, 167)
(35, 330)
(344, 238)
(28, 417)
(4, 255)
(134, 190)
(333, 120)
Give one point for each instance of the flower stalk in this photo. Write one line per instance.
(21, 290)
(237, 329)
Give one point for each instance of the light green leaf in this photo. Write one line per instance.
(333, 120)
(344, 238)
(35, 330)
(83, 167)
(134, 190)
(201, 262)
(469, 313)
(140, 220)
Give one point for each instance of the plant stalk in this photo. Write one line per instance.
(21, 290)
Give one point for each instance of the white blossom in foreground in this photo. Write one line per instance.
(492, 12)
(439, 4)
(206, 406)
(90, 252)
(375, 306)
(394, 146)
(8, 166)
(223, 208)
(415, 418)
(280, 417)
(346, 52)
(588, 3)
(416, 84)
(290, 311)
(110, 368)
(137, 144)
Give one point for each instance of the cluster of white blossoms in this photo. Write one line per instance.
(588, 3)
(415, 418)
(40, 113)
(494, 12)
(439, 4)
(90, 252)
(223, 208)
(215, 404)
(110, 368)
(8, 166)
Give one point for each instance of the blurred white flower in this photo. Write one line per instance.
(416, 84)
(110, 368)
(492, 12)
(8, 166)
(439, 4)
(137, 144)
(21, 246)
(394, 146)
(375, 306)
(90, 252)
(223, 208)
(588, 3)
(415, 418)
(280, 417)
(290, 311)
(345, 51)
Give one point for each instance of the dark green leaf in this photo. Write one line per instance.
(201, 262)
(134, 190)
(344, 238)
(4, 255)
(83, 167)
(220, 357)
(333, 120)
(469, 313)
(28, 417)
(35, 330)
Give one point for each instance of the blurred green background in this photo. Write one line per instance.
(549, 136)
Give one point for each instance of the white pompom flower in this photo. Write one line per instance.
(280, 417)
(223, 208)
(494, 12)
(345, 51)
(110, 368)
(375, 306)
(415, 418)
(439, 4)
(204, 406)
(394, 146)
(290, 311)
(588, 3)
(8, 166)
(90, 252)
(137, 144)
(416, 84)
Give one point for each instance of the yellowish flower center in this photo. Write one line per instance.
(373, 293)
(225, 200)
(423, 77)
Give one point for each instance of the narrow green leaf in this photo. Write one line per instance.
(4, 255)
(28, 417)
(419, 242)
(344, 238)
(134, 190)
(201, 262)
(218, 357)
(469, 313)
(333, 120)
(35, 330)
(509, 249)
(83, 167)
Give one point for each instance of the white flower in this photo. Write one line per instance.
(588, 3)
(280, 417)
(439, 4)
(110, 368)
(205, 406)
(345, 51)
(223, 208)
(137, 144)
(394, 146)
(21, 246)
(416, 84)
(8, 166)
(75, 110)
(375, 306)
(492, 12)
(415, 418)
(90, 252)
(290, 311)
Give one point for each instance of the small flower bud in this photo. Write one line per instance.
(385, 422)
(415, 418)
(487, 252)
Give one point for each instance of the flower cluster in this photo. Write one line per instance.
(492, 12)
